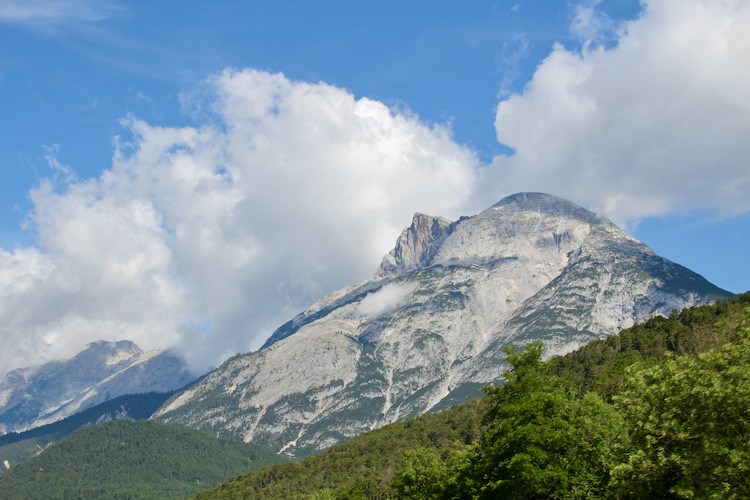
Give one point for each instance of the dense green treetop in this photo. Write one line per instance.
(542, 441)
(689, 426)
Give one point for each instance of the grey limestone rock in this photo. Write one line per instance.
(39, 395)
(428, 329)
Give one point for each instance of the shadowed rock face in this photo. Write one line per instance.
(429, 328)
(39, 395)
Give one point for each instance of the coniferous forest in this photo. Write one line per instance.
(16, 447)
(132, 459)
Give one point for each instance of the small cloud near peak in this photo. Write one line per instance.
(383, 300)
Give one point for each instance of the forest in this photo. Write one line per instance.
(16, 447)
(132, 459)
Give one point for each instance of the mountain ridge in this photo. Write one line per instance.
(365, 466)
(448, 298)
(45, 393)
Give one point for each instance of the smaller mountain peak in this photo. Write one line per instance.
(108, 347)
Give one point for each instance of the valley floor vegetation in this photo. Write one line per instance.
(661, 410)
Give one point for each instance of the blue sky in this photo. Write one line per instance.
(193, 174)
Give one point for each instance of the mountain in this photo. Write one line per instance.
(39, 395)
(428, 329)
(132, 460)
(366, 466)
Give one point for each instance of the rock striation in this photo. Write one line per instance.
(428, 329)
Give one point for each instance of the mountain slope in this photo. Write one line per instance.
(364, 466)
(39, 395)
(428, 329)
(126, 459)
(17, 447)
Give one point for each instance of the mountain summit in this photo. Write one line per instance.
(428, 329)
(42, 394)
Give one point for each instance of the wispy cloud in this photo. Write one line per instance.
(592, 27)
(383, 300)
(513, 52)
(45, 12)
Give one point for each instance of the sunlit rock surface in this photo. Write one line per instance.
(427, 331)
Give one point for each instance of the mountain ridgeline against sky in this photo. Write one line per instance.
(428, 329)
(39, 395)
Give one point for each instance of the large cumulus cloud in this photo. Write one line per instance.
(650, 122)
(206, 238)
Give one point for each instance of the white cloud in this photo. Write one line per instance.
(591, 26)
(654, 125)
(207, 238)
(383, 300)
(47, 11)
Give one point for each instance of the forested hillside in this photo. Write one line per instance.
(16, 447)
(660, 411)
(128, 460)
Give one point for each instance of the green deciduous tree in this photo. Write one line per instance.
(423, 477)
(542, 442)
(689, 421)
(426, 475)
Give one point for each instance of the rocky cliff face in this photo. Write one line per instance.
(416, 244)
(428, 329)
(39, 395)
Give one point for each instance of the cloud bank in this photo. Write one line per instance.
(658, 123)
(206, 238)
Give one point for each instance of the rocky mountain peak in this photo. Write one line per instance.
(544, 204)
(102, 370)
(429, 328)
(109, 353)
(416, 243)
